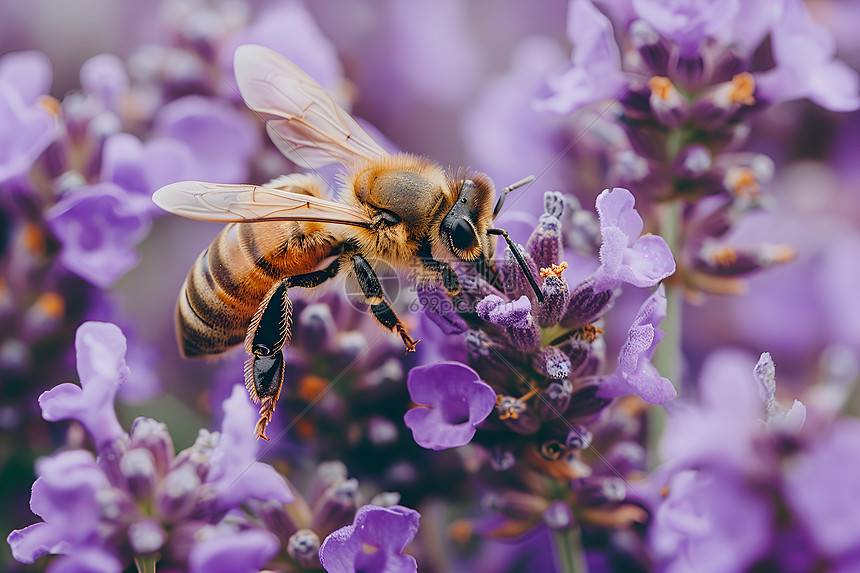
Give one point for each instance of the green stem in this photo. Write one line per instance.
(568, 548)
(668, 356)
(145, 563)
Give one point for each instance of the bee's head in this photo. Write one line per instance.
(467, 227)
(464, 228)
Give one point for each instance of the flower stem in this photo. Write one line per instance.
(668, 356)
(569, 551)
(145, 563)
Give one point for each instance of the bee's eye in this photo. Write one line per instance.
(462, 235)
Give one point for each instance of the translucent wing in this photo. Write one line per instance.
(308, 126)
(247, 203)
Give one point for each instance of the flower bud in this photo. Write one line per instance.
(517, 415)
(652, 49)
(558, 515)
(552, 363)
(556, 296)
(667, 104)
(316, 327)
(586, 306)
(584, 402)
(554, 400)
(595, 491)
(304, 547)
(336, 507)
(146, 536)
(153, 436)
(326, 475)
(138, 467)
(176, 495)
(544, 245)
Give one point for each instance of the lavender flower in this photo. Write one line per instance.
(99, 228)
(625, 255)
(101, 349)
(595, 73)
(684, 90)
(456, 401)
(635, 374)
(754, 457)
(373, 543)
(128, 500)
(806, 67)
(28, 126)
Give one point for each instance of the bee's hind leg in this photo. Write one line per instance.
(268, 333)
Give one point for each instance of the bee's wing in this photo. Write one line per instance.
(308, 126)
(248, 203)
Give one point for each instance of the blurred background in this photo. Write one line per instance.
(451, 80)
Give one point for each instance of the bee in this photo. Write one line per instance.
(397, 208)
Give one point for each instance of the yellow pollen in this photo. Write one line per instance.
(725, 257)
(51, 305)
(661, 87)
(664, 491)
(34, 239)
(311, 387)
(784, 253)
(369, 549)
(742, 182)
(743, 88)
(49, 104)
(588, 333)
(460, 531)
(555, 270)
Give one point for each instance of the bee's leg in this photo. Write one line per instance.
(382, 311)
(268, 333)
(450, 280)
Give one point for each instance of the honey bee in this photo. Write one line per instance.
(399, 208)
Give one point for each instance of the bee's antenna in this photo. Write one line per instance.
(508, 189)
(518, 255)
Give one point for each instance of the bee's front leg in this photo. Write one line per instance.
(382, 311)
(268, 333)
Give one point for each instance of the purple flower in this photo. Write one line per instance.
(64, 496)
(821, 489)
(99, 228)
(710, 522)
(687, 22)
(100, 350)
(456, 399)
(222, 139)
(722, 428)
(104, 78)
(516, 314)
(804, 53)
(374, 543)
(233, 552)
(635, 374)
(27, 73)
(595, 74)
(141, 168)
(625, 256)
(289, 29)
(26, 128)
(236, 475)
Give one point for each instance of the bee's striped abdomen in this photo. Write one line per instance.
(229, 279)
